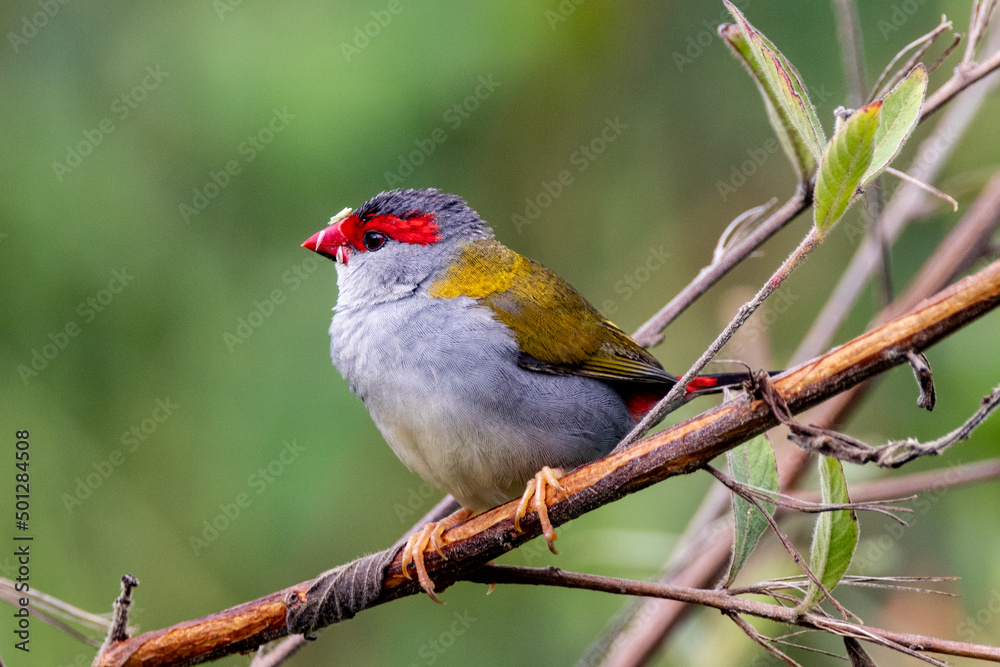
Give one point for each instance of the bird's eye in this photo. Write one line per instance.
(374, 240)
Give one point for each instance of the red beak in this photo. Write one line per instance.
(329, 242)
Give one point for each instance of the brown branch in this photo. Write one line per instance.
(965, 76)
(966, 242)
(680, 449)
(725, 601)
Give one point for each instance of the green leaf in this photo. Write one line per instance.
(751, 463)
(844, 165)
(900, 114)
(836, 534)
(788, 107)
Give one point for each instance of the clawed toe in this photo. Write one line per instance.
(417, 544)
(534, 498)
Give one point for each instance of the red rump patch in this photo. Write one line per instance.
(701, 382)
(417, 229)
(641, 402)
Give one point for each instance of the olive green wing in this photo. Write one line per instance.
(557, 330)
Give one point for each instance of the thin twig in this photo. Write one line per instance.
(724, 601)
(978, 22)
(852, 49)
(119, 622)
(678, 391)
(56, 608)
(786, 542)
(919, 482)
(926, 187)
(923, 40)
(650, 333)
(963, 78)
(956, 40)
(800, 583)
(741, 226)
(896, 453)
(280, 653)
(792, 503)
(760, 639)
(916, 56)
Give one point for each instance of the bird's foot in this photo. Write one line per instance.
(429, 536)
(534, 498)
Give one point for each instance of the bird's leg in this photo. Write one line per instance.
(429, 535)
(534, 496)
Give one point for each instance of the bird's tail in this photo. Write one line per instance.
(641, 397)
(717, 382)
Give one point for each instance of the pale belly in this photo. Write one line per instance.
(446, 393)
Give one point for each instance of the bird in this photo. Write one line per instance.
(486, 373)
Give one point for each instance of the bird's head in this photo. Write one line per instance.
(395, 241)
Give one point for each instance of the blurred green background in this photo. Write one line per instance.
(161, 164)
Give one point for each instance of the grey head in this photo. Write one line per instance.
(396, 242)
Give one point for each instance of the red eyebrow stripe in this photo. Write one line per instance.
(418, 230)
